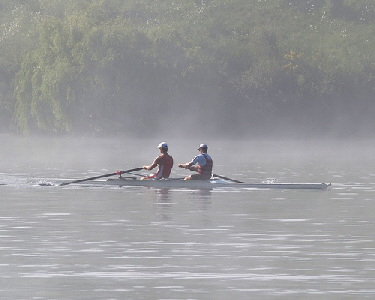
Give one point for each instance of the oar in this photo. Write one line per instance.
(101, 176)
(226, 178)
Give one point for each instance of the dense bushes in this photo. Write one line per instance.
(103, 66)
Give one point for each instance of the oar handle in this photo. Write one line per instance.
(128, 171)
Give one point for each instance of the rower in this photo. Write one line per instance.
(203, 162)
(164, 163)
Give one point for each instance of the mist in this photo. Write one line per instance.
(252, 160)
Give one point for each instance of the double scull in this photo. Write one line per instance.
(203, 184)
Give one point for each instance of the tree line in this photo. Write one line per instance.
(137, 66)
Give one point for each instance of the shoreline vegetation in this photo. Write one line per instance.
(227, 67)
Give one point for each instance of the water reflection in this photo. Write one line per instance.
(166, 199)
(165, 243)
(164, 194)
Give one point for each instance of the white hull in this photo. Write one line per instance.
(209, 184)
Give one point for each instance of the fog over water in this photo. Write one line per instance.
(20, 154)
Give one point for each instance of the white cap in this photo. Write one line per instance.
(163, 145)
(202, 146)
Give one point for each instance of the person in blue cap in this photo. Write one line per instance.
(202, 164)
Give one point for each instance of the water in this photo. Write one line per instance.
(136, 243)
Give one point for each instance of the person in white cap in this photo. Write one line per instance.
(164, 163)
(203, 162)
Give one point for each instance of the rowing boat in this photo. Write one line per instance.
(204, 184)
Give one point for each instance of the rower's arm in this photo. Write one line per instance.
(150, 167)
(190, 166)
(185, 166)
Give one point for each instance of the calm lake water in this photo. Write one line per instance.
(82, 242)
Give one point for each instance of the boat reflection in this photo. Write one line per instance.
(165, 193)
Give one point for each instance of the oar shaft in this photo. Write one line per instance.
(86, 179)
(100, 176)
(227, 178)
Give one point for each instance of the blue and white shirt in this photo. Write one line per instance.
(200, 159)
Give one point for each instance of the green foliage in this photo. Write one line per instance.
(116, 66)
